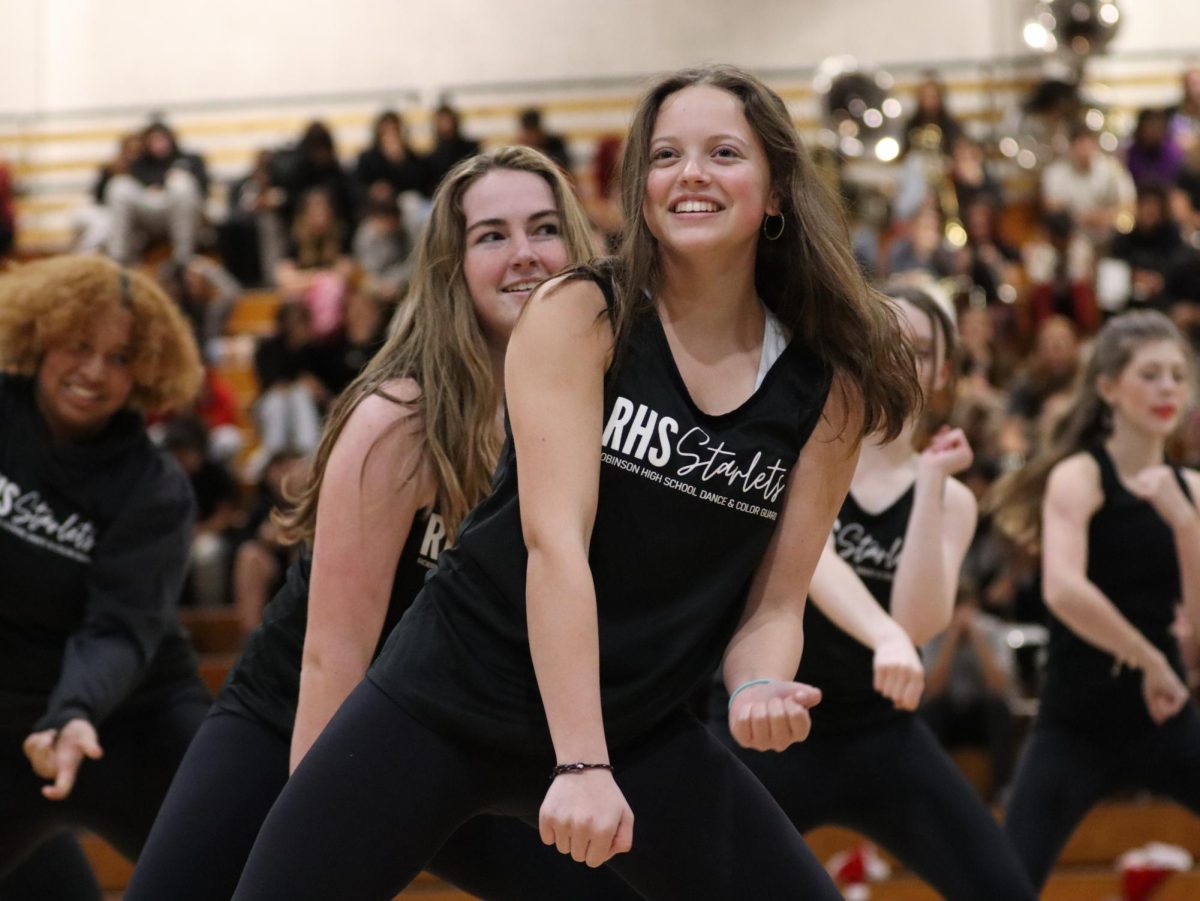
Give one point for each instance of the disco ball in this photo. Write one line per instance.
(1080, 27)
(859, 109)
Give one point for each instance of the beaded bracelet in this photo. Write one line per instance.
(563, 768)
(743, 687)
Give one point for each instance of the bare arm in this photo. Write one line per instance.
(935, 543)
(936, 539)
(770, 638)
(366, 508)
(554, 378)
(1159, 486)
(841, 595)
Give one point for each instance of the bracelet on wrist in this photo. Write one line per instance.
(743, 687)
(563, 768)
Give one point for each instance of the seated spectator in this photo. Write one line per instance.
(251, 238)
(931, 127)
(1184, 202)
(317, 265)
(981, 358)
(987, 259)
(1090, 185)
(530, 133)
(1185, 115)
(972, 181)
(287, 411)
(968, 685)
(1153, 157)
(382, 248)
(262, 557)
(389, 167)
(8, 215)
(92, 223)
(218, 512)
(1151, 248)
(207, 295)
(923, 249)
(1181, 293)
(161, 196)
(217, 406)
(603, 201)
(338, 360)
(449, 146)
(980, 404)
(1060, 268)
(1048, 374)
(313, 163)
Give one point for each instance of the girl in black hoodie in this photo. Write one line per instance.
(99, 693)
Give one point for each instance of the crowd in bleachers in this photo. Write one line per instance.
(1030, 283)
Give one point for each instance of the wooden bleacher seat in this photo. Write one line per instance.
(214, 668)
(254, 314)
(213, 630)
(113, 873)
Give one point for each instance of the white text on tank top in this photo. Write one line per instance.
(869, 558)
(433, 542)
(642, 441)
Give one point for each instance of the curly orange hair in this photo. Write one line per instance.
(47, 302)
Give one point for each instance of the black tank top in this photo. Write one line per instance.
(1132, 559)
(843, 669)
(687, 503)
(265, 683)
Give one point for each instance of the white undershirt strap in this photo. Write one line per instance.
(774, 343)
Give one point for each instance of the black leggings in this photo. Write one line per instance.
(379, 793)
(230, 778)
(57, 871)
(117, 796)
(1063, 773)
(895, 784)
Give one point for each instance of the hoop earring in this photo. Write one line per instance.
(779, 232)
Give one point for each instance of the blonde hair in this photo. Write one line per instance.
(1016, 499)
(316, 250)
(437, 341)
(808, 276)
(47, 302)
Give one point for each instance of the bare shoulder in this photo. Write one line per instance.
(842, 417)
(377, 418)
(563, 302)
(1074, 485)
(562, 330)
(961, 504)
(1192, 479)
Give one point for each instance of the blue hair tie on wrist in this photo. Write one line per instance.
(745, 685)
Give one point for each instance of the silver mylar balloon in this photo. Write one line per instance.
(859, 109)
(1080, 27)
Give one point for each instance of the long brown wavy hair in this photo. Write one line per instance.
(1016, 499)
(437, 342)
(808, 277)
(51, 301)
